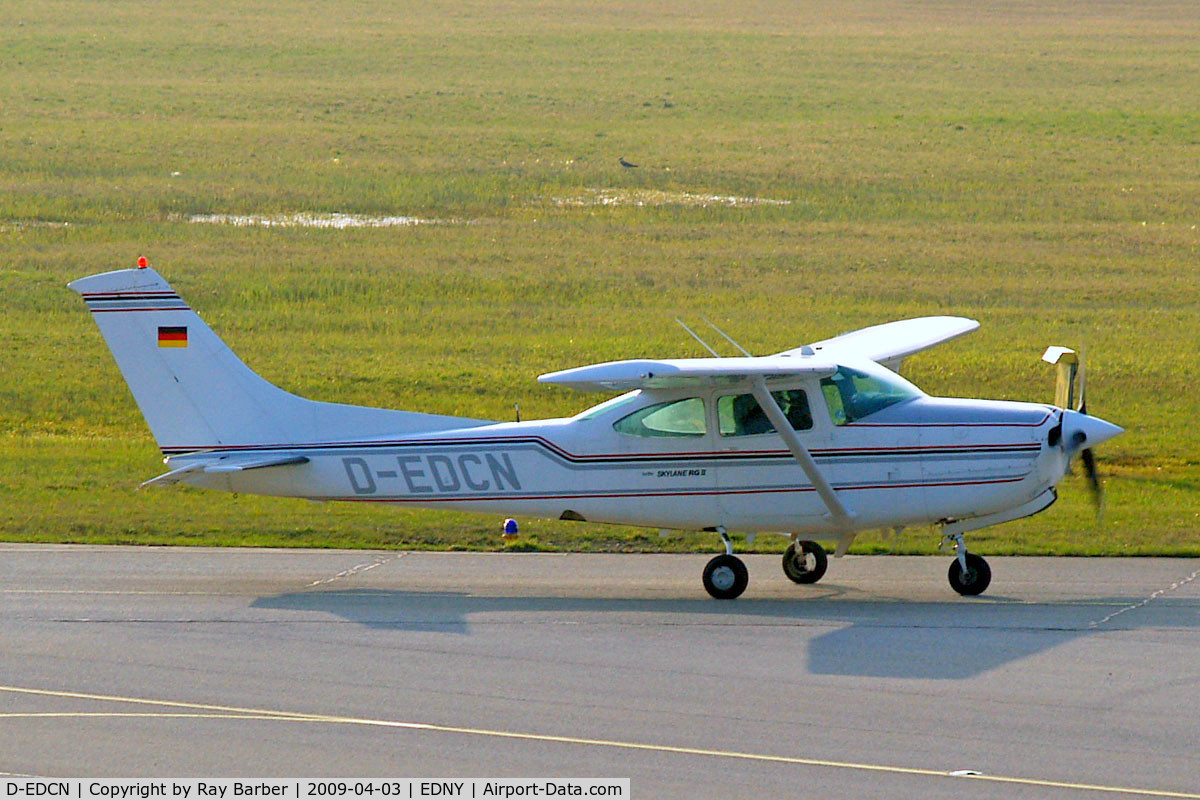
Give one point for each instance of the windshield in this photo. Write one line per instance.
(852, 394)
(608, 405)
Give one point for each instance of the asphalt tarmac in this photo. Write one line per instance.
(1070, 678)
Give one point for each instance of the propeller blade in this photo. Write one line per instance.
(1078, 432)
(1093, 477)
(1086, 456)
(1081, 378)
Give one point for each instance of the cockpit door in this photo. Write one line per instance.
(760, 484)
(662, 471)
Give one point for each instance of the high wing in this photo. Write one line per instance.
(622, 376)
(887, 344)
(891, 342)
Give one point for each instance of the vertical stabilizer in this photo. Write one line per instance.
(196, 394)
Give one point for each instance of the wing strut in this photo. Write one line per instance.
(841, 517)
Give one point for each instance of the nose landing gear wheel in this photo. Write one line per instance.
(974, 580)
(805, 562)
(725, 577)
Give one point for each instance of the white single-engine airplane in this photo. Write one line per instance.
(822, 441)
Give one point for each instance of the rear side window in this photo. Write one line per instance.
(672, 418)
(740, 414)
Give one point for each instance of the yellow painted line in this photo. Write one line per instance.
(137, 715)
(109, 698)
(121, 592)
(290, 716)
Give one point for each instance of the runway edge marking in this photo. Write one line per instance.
(295, 716)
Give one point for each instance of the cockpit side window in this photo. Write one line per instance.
(740, 414)
(672, 418)
(852, 395)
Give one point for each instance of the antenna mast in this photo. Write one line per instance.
(703, 343)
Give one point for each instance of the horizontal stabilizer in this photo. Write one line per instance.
(173, 476)
(261, 463)
(218, 465)
(622, 376)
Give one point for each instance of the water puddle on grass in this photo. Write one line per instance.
(16, 224)
(656, 197)
(307, 220)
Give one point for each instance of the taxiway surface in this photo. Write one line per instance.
(1070, 678)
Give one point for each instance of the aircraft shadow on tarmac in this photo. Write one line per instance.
(894, 639)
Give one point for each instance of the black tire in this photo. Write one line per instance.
(976, 579)
(807, 564)
(725, 577)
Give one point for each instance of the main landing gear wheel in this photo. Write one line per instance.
(805, 562)
(725, 577)
(974, 580)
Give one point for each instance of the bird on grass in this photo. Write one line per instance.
(626, 164)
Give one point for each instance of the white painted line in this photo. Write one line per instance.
(290, 716)
(1146, 602)
(360, 568)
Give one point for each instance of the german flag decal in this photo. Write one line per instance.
(172, 336)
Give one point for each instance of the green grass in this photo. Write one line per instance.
(1032, 166)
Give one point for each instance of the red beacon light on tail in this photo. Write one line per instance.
(142, 262)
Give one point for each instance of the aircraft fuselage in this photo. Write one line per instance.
(919, 462)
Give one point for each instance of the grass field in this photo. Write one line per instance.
(1034, 166)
